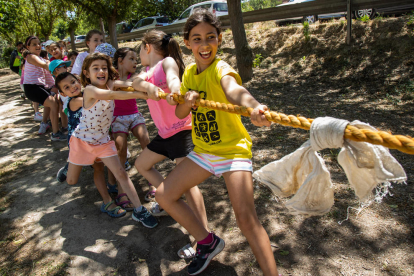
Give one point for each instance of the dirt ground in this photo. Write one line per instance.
(50, 228)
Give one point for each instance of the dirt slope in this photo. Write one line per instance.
(49, 228)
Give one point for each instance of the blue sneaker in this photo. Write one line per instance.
(145, 218)
(62, 173)
(205, 253)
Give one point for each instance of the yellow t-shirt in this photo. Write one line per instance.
(215, 132)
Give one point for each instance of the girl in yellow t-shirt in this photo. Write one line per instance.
(222, 147)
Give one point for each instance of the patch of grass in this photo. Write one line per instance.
(365, 18)
(257, 60)
(7, 173)
(58, 270)
(306, 30)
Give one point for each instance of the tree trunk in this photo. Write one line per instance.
(244, 54)
(101, 24)
(72, 39)
(112, 31)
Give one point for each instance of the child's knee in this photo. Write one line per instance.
(71, 181)
(246, 220)
(141, 165)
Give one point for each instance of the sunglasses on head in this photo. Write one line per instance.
(62, 65)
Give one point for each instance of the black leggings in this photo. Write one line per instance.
(37, 93)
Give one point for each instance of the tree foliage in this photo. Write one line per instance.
(8, 18)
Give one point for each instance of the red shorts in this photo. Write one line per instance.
(83, 154)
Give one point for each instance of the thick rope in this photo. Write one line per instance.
(399, 142)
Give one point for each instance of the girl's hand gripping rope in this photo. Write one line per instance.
(258, 117)
(153, 92)
(170, 98)
(191, 98)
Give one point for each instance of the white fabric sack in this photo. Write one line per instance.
(368, 165)
(304, 172)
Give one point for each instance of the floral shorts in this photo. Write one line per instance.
(122, 124)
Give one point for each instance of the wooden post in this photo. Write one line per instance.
(349, 23)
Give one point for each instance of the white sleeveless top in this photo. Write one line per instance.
(94, 123)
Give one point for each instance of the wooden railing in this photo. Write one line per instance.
(288, 11)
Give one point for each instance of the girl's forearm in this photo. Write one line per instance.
(140, 85)
(174, 84)
(181, 111)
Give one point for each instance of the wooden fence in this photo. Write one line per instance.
(288, 11)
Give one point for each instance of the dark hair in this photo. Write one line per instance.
(200, 16)
(121, 53)
(18, 43)
(90, 34)
(55, 43)
(43, 54)
(72, 53)
(166, 46)
(61, 77)
(28, 39)
(112, 73)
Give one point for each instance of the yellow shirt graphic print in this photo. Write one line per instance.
(215, 132)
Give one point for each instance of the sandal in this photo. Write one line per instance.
(156, 210)
(124, 203)
(112, 189)
(112, 212)
(187, 252)
(150, 195)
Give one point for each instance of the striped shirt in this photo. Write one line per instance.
(37, 75)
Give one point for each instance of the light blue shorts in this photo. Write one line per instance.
(218, 165)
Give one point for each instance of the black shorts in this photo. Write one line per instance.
(177, 146)
(36, 93)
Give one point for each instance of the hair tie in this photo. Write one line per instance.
(166, 40)
(29, 39)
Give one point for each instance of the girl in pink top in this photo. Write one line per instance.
(161, 56)
(126, 117)
(39, 87)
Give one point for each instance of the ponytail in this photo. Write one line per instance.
(174, 51)
(166, 46)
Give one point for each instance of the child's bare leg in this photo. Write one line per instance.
(72, 176)
(145, 166)
(99, 179)
(121, 146)
(141, 133)
(125, 183)
(185, 176)
(35, 107)
(111, 178)
(63, 117)
(46, 113)
(240, 188)
(196, 201)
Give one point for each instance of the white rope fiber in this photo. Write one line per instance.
(303, 173)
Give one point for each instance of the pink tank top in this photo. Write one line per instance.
(37, 75)
(162, 113)
(125, 107)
